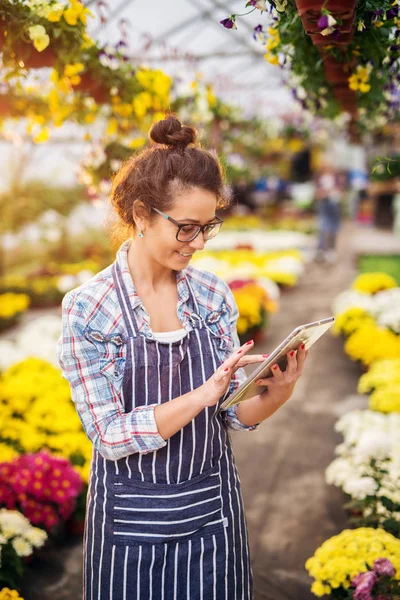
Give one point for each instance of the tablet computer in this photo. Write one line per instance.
(306, 334)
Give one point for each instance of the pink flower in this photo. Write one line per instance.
(383, 566)
(7, 497)
(364, 585)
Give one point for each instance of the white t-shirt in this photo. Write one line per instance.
(169, 336)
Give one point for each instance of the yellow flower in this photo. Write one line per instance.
(73, 69)
(7, 594)
(364, 87)
(371, 343)
(42, 136)
(382, 375)
(56, 12)
(351, 320)
(123, 109)
(137, 143)
(75, 12)
(38, 35)
(272, 59)
(371, 283)
(12, 304)
(359, 79)
(386, 401)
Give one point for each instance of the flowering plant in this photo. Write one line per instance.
(253, 303)
(367, 468)
(371, 283)
(371, 343)
(343, 557)
(381, 376)
(282, 267)
(351, 320)
(7, 594)
(18, 538)
(12, 306)
(42, 32)
(42, 486)
(31, 419)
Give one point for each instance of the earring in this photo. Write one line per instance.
(141, 234)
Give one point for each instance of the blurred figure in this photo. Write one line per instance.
(327, 195)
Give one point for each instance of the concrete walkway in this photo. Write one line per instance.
(290, 510)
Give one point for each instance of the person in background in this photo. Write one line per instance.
(327, 196)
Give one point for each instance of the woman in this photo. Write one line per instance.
(148, 349)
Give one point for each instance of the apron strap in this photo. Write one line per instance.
(127, 312)
(195, 317)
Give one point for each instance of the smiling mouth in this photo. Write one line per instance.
(185, 255)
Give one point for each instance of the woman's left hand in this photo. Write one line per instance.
(282, 383)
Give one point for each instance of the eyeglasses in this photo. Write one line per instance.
(187, 232)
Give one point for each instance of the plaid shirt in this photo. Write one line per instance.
(91, 352)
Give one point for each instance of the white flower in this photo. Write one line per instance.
(21, 546)
(352, 299)
(260, 4)
(36, 537)
(373, 444)
(360, 488)
(13, 523)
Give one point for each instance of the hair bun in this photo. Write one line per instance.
(170, 132)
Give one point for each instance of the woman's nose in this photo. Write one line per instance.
(198, 243)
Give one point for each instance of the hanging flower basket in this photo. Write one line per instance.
(33, 59)
(342, 9)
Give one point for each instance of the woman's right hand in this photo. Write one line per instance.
(215, 387)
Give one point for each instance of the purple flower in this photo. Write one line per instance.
(323, 22)
(260, 4)
(229, 23)
(383, 566)
(392, 13)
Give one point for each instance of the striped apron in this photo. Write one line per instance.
(168, 524)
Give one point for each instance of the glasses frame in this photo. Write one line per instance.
(180, 225)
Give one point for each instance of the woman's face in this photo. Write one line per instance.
(196, 206)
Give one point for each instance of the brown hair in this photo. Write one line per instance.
(157, 174)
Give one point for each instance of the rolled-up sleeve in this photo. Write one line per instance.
(113, 432)
(231, 418)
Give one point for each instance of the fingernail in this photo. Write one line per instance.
(248, 343)
(265, 355)
(240, 351)
(259, 381)
(227, 369)
(302, 346)
(291, 353)
(275, 367)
